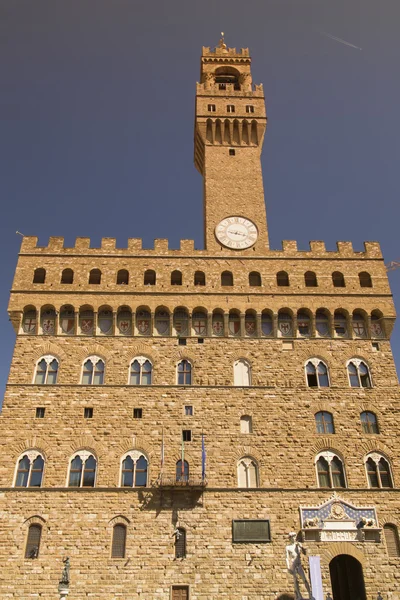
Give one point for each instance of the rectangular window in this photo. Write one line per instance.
(200, 340)
(186, 435)
(230, 108)
(137, 413)
(88, 412)
(375, 347)
(40, 410)
(249, 108)
(211, 108)
(182, 342)
(189, 411)
(232, 152)
(248, 531)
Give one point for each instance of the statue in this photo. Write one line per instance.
(65, 573)
(293, 560)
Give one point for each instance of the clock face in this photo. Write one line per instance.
(236, 232)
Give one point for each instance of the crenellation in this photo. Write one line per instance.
(317, 247)
(108, 243)
(82, 243)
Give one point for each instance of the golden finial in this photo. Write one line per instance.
(222, 41)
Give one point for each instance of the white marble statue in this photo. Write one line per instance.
(294, 550)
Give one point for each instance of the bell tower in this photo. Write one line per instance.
(229, 133)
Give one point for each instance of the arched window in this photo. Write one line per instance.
(266, 323)
(282, 279)
(226, 278)
(118, 541)
(317, 373)
(30, 470)
(46, 370)
(254, 279)
(33, 541)
(250, 323)
(234, 323)
(162, 321)
(359, 328)
(39, 276)
(180, 542)
(324, 422)
(303, 324)
(141, 371)
(358, 373)
(285, 324)
(369, 422)
(176, 278)
(93, 371)
(246, 424)
(322, 323)
(241, 372)
(29, 320)
(181, 322)
(150, 277)
(378, 471)
(124, 321)
(392, 539)
(184, 372)
(143, 322)
(310, 279)
(48, 321)
(182, 470)
(134, 470)
(330, 470)
(365, 279)
(67, 276)
(105, 321)
(199, 278)
(338, 279)
(247, 472)
(86, 321)
(340, 324)
(122, 277)
(67, 320)
(82, 470)
(218, 323)
(199, 323)
(95, 277)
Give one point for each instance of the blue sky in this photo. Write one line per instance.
(96, 121)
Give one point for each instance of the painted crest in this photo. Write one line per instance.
(48, 326)
(143, 326)
(250, 327)
(200, 326)
(162, 323)
(67, 325)
(266, 326)
(124, 326)
(285, 327)
(218, 327)
(322, 328)
(87, 326)
(376, 329)
(359, 328)
(29, 325)
(105, 324)
(234, 327)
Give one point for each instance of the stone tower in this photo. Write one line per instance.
(170, 415)
(229, 133)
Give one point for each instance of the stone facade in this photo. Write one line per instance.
(273, 329)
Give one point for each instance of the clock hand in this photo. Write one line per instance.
(237, 233)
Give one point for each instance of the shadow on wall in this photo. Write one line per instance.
(285, 597)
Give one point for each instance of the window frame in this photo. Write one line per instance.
(32, 455)
(112, 555)
(369, 426)
(49, 358)
(135, 456)
(329, 456)
(38, 526)
(324, 422)
(376, 457)
(248, 461)
(142, 361)
(94, 360)
(184, 372)
(315, 363)
(84, 455)
(357, 362)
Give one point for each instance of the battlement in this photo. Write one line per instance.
(208, 87)
(222, 50)
(161, 247)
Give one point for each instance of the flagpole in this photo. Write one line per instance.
(183, 459)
